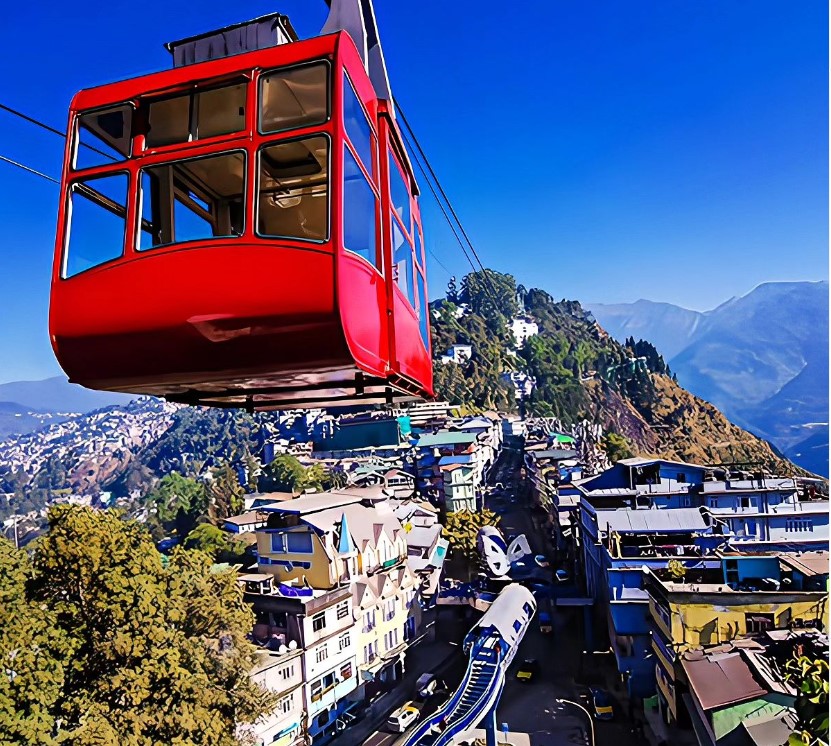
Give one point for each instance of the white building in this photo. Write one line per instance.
(458, 354)
(523, 328)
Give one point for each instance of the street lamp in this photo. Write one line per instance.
(588, 714)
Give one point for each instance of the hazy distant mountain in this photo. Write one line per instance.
(670, 328)
(762, 358)
(58, 395)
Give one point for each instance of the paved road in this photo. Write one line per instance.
(532, 708)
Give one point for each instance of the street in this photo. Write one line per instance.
(530, 708)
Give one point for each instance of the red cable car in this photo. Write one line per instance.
(243, 231)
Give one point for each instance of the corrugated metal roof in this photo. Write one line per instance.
(445, 439)
(625, 520)
(558, 454)
(722, 680)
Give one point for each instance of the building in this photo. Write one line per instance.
(245, 522)
(522, 329)
(459, 483)
(458, 354)
(280, 671)
(745, 595)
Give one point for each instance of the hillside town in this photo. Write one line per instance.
(672, 594)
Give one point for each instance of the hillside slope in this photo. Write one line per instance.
(581, 372)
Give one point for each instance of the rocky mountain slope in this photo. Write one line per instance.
(762, 359)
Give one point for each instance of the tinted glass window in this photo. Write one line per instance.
(103, 137)
(402, 258)
(293, 198)
(359, 211)
(357, 126)
(192, 200)
(296, 97)
(423, 311)
(399, 193)
(196, 115)
(97, 210)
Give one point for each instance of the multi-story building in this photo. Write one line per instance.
(744, 595)
(459, 484)
(350, 548)
(280, 671)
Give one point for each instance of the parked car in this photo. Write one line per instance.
(602, 704)
(403, 717)
(528, 670)
(426, 685)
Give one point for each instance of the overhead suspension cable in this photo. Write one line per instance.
(29, 169)
(53, 130)
(435, 178)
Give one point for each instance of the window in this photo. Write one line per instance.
(759, 622)
(402, 259)
(196, 115)
(343, 610)
(294, 97)
(96, 224)
(103, 137)
(278, 543)
(287, 672)
(517, 626)
(343, 641)
(399, 193)
(284, 704)
(293, 197)
(300, 542)
(192, 200)
(329, 680)
(359, 212)
(319, 621)
(680, 477)
(744, 502)
(346, 672)
(357, 127)
(322, 653)
(317, 690)
(423, 309)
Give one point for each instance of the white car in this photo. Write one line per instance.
(402, 718)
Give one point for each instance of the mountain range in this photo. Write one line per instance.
(762, 359)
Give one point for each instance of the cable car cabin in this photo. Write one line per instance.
(242, 232)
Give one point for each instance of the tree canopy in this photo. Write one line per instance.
(111, 647)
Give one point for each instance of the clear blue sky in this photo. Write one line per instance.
(606, 152)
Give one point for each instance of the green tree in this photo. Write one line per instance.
(617, 447)
(810, 678)
(285, 473)
(157, 654)
(34, 653)
(225, 493)
(180, 501)
(209, 539)
(461, 529)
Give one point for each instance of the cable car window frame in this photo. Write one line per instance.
(262, 74)
(257, 161)
(187, 199)
(371, 167)
(190, 92)
(102, 203)
(409, 290)
(77, 145)
(378, 264)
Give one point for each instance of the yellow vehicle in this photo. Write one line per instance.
(403, 717)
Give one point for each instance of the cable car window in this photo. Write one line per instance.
(402, 258)
(419, 251)
(200, 198)
(399, 193)
(423, 311)
(97, 218)
(294, 97)
(196, 115)
(293, 196)
(359, 212)
(357, 126)
(103, 137)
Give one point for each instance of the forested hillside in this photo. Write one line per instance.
(579, 372)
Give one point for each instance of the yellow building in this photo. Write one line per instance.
(747, 595)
